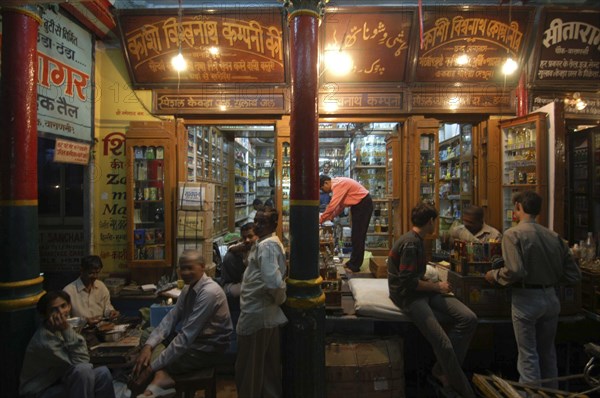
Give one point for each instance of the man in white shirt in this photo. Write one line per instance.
(90, 298)
(258, 365)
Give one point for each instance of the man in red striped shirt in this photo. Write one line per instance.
(349, 193)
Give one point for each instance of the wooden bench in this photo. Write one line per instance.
(187, 384)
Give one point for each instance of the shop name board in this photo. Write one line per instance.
(570, 47)
(170, 102)
(241, 48)
(470, 46)
(592, 108)
(365, 102)
(462, 102)
(377, 43)
(71, 152)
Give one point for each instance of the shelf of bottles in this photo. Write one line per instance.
(427, 172)
(245, 178)
(455, 182)
(370, 171)
(285, 191)
(207, 161)
(264, 163)
(584, 184)
(149, 203)
(331, 160)
(519, 165)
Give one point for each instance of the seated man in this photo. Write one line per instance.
(89, 296)
(418, 298)
(205, 332)
(473, 228)
(234, 262)
(57, 362)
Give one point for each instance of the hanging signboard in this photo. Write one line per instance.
(375, 44)
(470, 45)
(568, 48)
(245, 47)
(64, 96)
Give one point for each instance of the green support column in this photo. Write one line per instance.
(20, 280)
(304, 352)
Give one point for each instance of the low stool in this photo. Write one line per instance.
(187, 384)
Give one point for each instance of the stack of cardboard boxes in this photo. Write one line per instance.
(195, 204)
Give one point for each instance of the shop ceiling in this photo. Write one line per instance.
(129, 4)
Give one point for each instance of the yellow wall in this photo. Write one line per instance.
(116, 105)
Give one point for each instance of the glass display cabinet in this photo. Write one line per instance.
(370, 171)
(244, 179)
(524, 151)
(455, 172)
(584, 184)
(150, 185)
(207, 160)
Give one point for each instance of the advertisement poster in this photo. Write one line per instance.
(109, 197)
(64, 78)
(61, 249)
(65, 63)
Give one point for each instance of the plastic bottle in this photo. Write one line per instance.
(589, 248)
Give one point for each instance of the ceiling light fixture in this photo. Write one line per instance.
(510, 66)
(462, 60)
(178, 62)
(576, 101)
(338, 62)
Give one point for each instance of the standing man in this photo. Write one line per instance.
(57, 362)
(234, 262)
(418, 298)
(258, 365)
(204, 336)
(347, 192)
(89, 296)
(536, 260)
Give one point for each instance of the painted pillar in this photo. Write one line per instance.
(522, 96)
(20, 280)
(304, 353)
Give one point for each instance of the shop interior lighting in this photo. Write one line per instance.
(576, 101)
(509, 67)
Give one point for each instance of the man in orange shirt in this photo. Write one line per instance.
(349, 193)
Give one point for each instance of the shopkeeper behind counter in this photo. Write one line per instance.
(473, 228)
(90, 298)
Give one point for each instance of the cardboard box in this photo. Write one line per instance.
(194, 224)
(205, 246)
(196, 196)
(491, 301)
(378, 266)
(365, 369)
